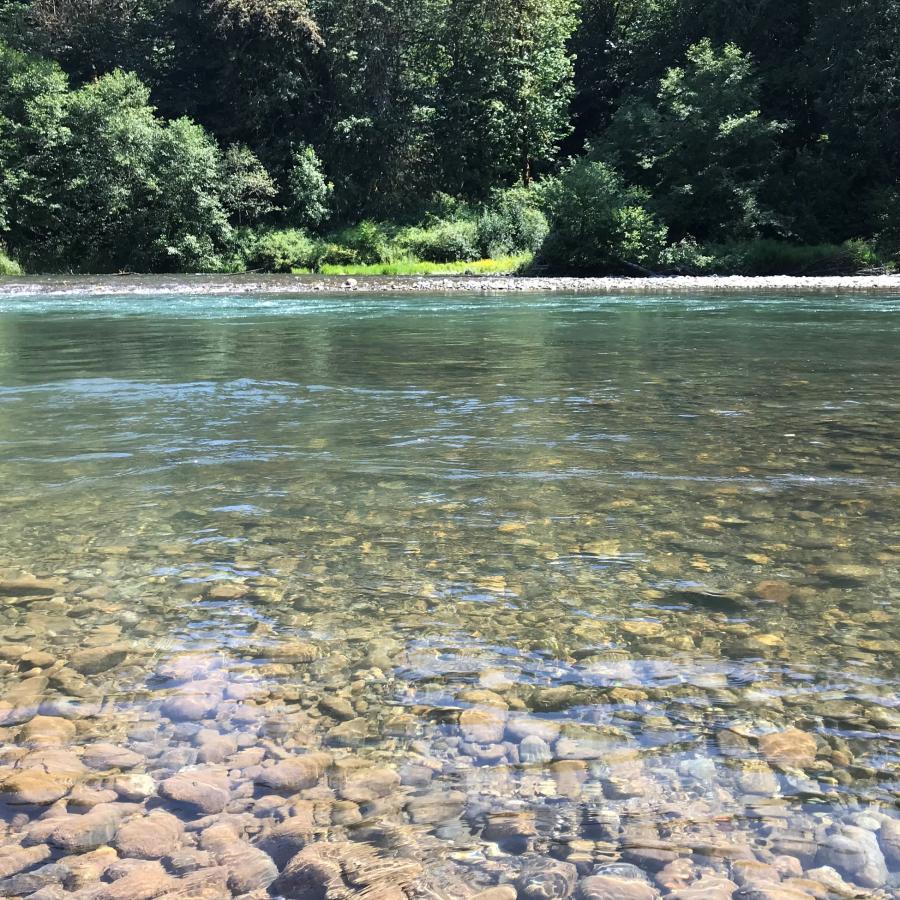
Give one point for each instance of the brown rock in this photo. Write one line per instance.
(501, 892)
(599, 887)
(482, 724)
(347, 870)
(94, 660)
(81, 833)
(288, 838)
(150, 837)
(774, 590)
(208, 883)
(47, 731)
(708, 887)
(109, 756)
(206, 790)
(296, 773)
(791, 748)
(249, 868)
(29, 586)
(144, 881)
(17, 859)
(86, 868)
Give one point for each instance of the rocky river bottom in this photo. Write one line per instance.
(449, 598)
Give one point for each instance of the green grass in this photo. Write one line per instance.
(505, 266)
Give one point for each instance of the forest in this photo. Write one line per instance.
(550, 136)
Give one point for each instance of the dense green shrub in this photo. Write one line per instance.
(337, 255)
(598, 223)
(442, 242)
(309, 191)
(8, 266)
(282, 251)
(370, 241)
(512, 223)
(767, 257)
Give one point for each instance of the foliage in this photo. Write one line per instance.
(701, 147)
(282, 251)
(504, 91)
(310, 193)
(767, 257)
(512, 223)
(93, 180)
(248, 189)
(8, 266)
(774, 119)
(442, 241)
(598, 223)
(370, 241)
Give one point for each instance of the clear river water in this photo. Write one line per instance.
(428, 596)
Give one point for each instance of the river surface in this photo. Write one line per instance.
(416, 596)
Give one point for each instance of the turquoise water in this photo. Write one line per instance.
(557, 565)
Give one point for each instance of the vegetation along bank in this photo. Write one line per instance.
(411, 137)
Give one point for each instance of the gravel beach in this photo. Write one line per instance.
(302, 284)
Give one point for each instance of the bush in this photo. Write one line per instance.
(598, 224)
(767, 257)
(370, 241)
(513, 223)
(310, 193)
(282, 251)
(443, 242)
(9, 266)
(337, 255)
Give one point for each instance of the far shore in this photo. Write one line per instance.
(111, 285)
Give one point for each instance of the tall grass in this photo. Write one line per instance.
(507, 265)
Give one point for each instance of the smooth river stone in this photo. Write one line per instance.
(603, 887)
(151, 836)
(855, 852)
(94, 660)
(295, 773)
(35, 786)
(482, 725)
(206, 790)
(16, 859)
(110, 756)
(47, 731)
(791, 748)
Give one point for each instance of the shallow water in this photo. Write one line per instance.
(593, 580)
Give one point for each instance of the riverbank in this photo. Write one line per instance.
(292, 284)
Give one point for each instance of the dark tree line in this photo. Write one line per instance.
(719, 120)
